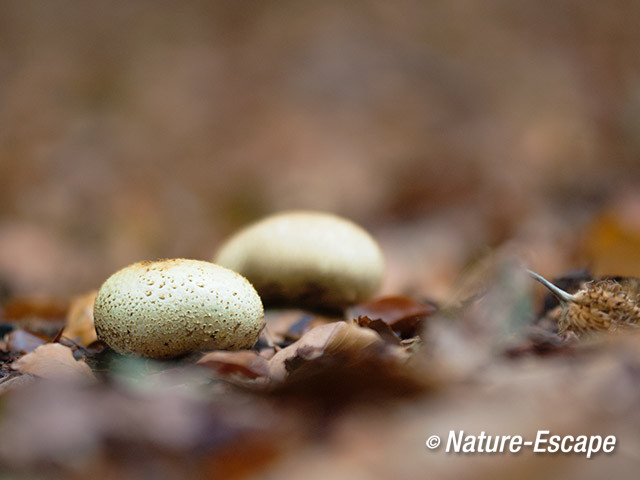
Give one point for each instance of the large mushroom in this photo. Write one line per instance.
(172, 307)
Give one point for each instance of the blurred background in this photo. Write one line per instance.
(140, 129)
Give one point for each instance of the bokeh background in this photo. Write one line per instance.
(140, 129)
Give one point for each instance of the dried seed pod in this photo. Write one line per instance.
(604, 305)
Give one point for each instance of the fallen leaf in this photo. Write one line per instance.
(404, 315)
(246, 364)
(97, 347)
(45, 315)
(34, 308)
(287, 325)
(335, 365)
(302, 326)
(79, 326)
(335, 380)
(329, 338)
(115, 429)
(381, 328)
(24, 341)
(8, 384)
(53, 361)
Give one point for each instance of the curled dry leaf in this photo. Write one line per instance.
(325, 339)
(279, 322)
(336, 365)
(53, 361)
(306, 323)
(381, 328)
(285, 326)
(79, 326)
(404, 315)
(246, 364)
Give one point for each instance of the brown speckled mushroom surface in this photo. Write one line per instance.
(306, 258)
(168, 308)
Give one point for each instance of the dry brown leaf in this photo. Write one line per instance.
(244, 363)
(41, 314)
(381, 328)
(24, 341)
(331, 338)
(337, 365)
(8, 384)
(404, 315)
(79, 326)
(288, 325)
(46, 309)
(53, 361)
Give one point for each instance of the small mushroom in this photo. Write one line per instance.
(307, 259)
(168, 308)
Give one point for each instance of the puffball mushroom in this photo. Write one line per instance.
(171, 307)
(307, 259)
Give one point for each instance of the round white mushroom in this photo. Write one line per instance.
(306, 258)
(168, 308)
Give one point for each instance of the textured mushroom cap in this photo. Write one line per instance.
(170, 307)
(305, 258)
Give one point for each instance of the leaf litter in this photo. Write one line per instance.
(326, 384)
(53, 361)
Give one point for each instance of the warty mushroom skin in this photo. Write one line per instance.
(167, 308)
